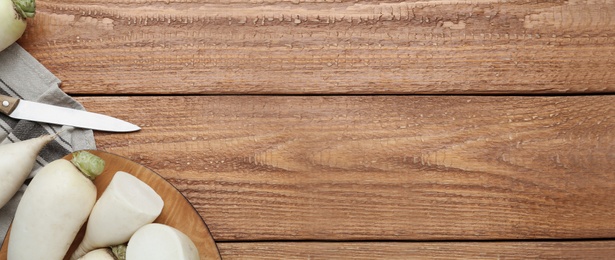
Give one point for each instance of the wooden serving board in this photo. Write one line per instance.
(177, 211)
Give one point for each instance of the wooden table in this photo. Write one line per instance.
(367, 129)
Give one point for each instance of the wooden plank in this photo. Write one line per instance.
(450, 46)
(419, 250)
(380, 167)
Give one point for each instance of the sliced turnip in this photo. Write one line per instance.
(126, 205)
(54, 207)
(16, 163)
(160, 242)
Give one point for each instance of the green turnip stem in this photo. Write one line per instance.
(25, 8)
(119, 251)
(90, 165)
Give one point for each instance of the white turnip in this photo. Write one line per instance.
(108, 253)
(99, 254)
(13, 14)
(160, 242)
(126, 205)
(54, 207)
(16, 163)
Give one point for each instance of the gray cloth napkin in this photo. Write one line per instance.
(22, 76)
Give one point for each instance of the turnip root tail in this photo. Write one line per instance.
(90, 165)
(16, 163)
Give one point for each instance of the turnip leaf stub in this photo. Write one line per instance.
(25, 8)
(119, 251)
(90, 165)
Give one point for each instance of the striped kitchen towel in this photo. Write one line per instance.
(22, 76)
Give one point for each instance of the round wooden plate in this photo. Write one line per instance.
(177, 211)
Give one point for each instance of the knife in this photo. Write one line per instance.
(39, 112)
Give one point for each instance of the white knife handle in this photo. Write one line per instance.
(8, 104)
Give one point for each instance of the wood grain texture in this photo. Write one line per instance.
(305, 46)
(420, 250)
(380, 167)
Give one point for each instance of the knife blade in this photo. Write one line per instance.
(39, 112)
